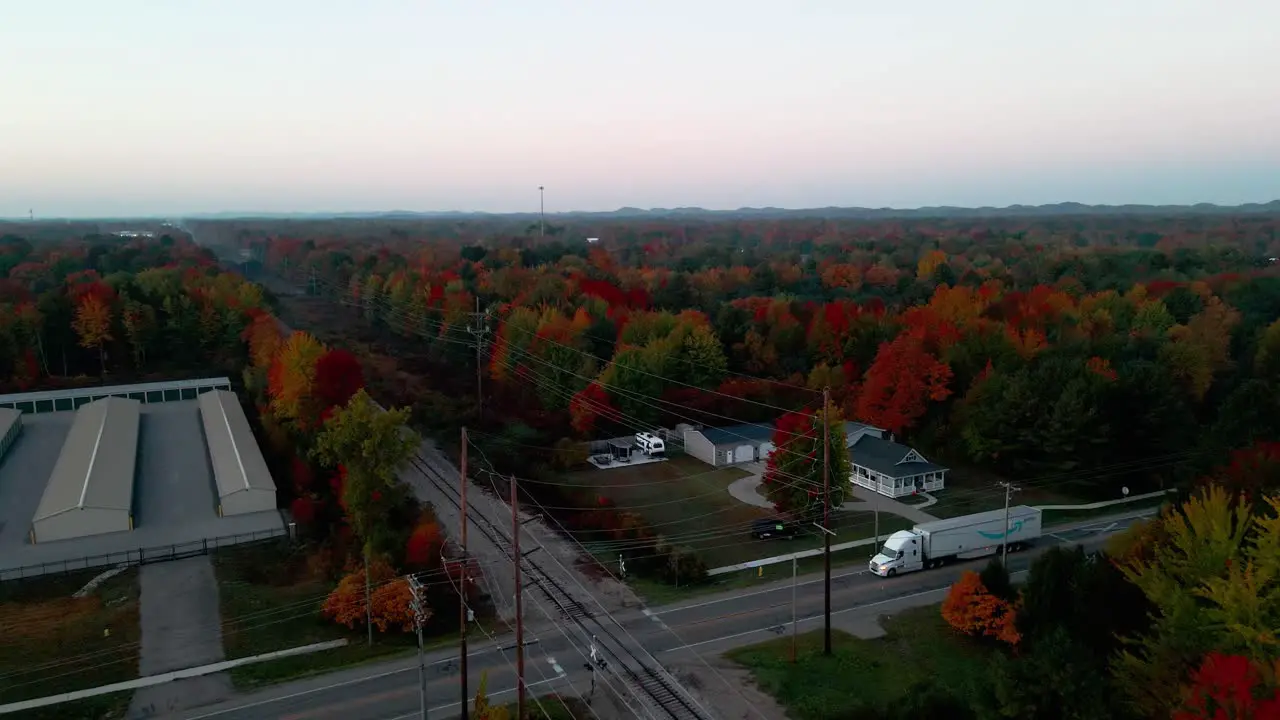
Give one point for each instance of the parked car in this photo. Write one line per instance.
(772, 528)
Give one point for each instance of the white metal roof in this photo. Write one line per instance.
(96, 466)
(113, 390)
(8, 416)
(237, 460)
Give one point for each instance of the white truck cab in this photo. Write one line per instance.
(900, 553)
(936, 543)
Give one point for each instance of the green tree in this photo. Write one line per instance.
(482, 709)
(372, 446)
(793, 476)
(1203, 540)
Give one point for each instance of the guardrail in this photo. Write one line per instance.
(140, 556)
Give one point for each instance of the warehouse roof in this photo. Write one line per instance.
(96, 466)
(114, 390)
(8, 416)
(238, 464)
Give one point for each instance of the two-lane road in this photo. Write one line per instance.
(555, 655)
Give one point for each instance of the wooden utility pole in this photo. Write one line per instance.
(1009, 490)
(479, 328)
(826, 520)
(463, 609)
(515, 553)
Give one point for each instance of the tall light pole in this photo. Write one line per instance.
(542, 211)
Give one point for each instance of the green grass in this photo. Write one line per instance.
(54, 643)
(271, 601)
(918, 647)
(685, 500)
(659, 593)
(554, 707)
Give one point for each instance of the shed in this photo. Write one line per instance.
(10, 427)
(90, 491)
(239, 470)
(730, 445)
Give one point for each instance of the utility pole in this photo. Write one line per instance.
(1009, 490)
(480, 329)
(793, 609)
(464, 611)
(515, 556)
(419, 616)
(826, 520)
(542, 212)
(368, 603)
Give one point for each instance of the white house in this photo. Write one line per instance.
(891, 468)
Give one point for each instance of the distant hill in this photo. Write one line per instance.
(852, 213)
(1064, 209)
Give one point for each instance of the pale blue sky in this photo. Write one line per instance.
(168, 106)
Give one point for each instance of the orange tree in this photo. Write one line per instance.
(973, 610)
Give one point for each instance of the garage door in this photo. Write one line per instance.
(766, 449)
(744, 453)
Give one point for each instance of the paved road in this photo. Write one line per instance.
(681, 634)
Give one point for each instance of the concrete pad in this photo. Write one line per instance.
(24, 472)
(181, 627)
(175, 482)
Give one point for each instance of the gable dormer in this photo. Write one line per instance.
(912, 457)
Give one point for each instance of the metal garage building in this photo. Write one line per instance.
(239, 470)
(90, 491)
(10, 427)
(72, 399)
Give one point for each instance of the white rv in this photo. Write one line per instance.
(650, 444)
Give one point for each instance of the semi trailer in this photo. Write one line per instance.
(936, 543)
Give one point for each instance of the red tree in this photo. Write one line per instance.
(303, 510)
(1229, 687)
(590, 404)
(423, 548)
(338, 377)
(901, 381)
(1252, 472)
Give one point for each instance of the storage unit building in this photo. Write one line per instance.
(239, 470)
(730, 445)
(74, 398)
(90, 491)
(10, 427)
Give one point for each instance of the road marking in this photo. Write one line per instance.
(354, 681)
(332, 708)
(810, 618)
(452, 705)
(753, 593)
(555, 666)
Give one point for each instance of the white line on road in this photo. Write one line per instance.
(819, 616)
(450, 706)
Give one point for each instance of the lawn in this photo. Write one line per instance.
(687, 501)
(54, 643)
(554, 707)
(1059, 517)
(271, 601)
(972, 489)
(863, 674)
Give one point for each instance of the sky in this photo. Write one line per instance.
(164, 107)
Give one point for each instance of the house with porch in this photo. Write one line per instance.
(891, 469)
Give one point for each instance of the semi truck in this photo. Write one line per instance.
(934, 544)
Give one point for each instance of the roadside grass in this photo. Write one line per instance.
(270, 600)
(554, 707)
(865, 674)
(658, 593)
(973, 489)
(54, 643)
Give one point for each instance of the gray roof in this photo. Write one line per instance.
(886, 457)
(237, 460)
(734, 435)
(96, 466)
(113, 390)
(8, 416)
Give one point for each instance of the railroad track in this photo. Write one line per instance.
(647, 680)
